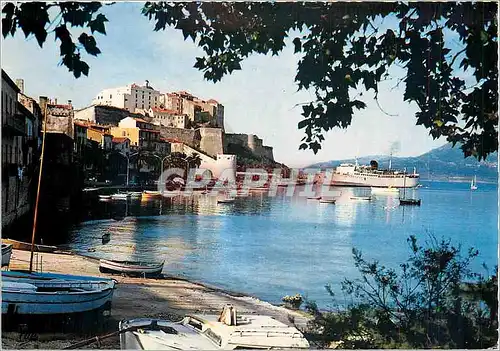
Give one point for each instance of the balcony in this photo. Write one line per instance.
(14, 124)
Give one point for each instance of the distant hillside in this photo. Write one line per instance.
(443, 162)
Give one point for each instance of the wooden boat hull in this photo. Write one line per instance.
(130, 268)
(410, 202)
(20, 245)
(57, 297)
(6, 253)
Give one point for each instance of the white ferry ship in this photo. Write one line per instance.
(371, 176)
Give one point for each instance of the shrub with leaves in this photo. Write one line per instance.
(421, 305)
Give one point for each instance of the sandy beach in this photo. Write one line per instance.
(170, 297)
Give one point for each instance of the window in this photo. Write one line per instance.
(110, 96)
(124, 133)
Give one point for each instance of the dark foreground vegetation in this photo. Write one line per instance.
(432, 301)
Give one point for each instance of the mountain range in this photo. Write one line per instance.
(443, 163)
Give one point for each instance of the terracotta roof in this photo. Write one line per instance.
(119, 140)
(213, 101)
(173, 140)
(139, 120)
(67, 107)
(81, 124)
(155, 109)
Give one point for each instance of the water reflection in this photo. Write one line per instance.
(270, 247)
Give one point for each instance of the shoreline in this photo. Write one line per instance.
(167, 297)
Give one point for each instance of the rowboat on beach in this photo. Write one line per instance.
(20, 245)
(29, 296)
(131, 267)
(6, 253)
(229, 331)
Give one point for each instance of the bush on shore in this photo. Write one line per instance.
(432, 301)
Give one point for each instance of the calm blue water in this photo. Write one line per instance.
(271, 247)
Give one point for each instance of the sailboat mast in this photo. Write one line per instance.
(404, 184)
(38, 188)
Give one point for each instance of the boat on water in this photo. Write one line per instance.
(473, 184)
(27, 296)
(314, 198)
(120, 196)
(387, 190)
(21, 245)
(131, 267)
(361, 198)
(6, 253)
(411, 202)
(403, 201)
(150, 194)
(229, 331)
(135, 194)
(106, 237)
(371, 176)
(168, 193)
(327, 201)
(228, 200)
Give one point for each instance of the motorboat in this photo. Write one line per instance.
(327, 201)
(361, 198)
(227, 331)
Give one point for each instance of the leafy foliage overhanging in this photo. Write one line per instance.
(343, 51)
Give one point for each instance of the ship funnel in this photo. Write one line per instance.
(374, 164)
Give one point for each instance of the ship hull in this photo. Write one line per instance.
(373, 181)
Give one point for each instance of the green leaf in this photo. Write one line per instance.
(97, 25)
(89, 44)
(297, 44)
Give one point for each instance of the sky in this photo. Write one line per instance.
(260, 99)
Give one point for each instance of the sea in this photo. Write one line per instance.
(269, 247)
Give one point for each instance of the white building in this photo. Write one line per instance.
(168, 118)
(129, 97)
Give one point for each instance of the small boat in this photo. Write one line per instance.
(104, 197)
(20, 245)
(106, 237)
(473, 184)
(135, 194)
(150, 194)
(26, 296)
(131, 267)
(6, 253)
(388, 190)
(229, 331)
(327, 201)
(167, 193)
(314, 198)
(120, 196)
(228, 200)
(411, 202)
(361, 198)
